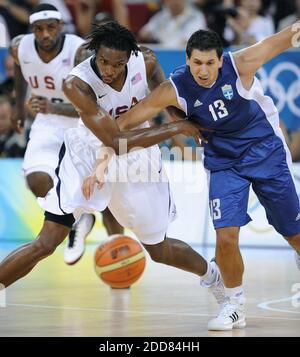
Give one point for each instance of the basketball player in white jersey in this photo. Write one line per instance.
(43, 59)
(113, 80)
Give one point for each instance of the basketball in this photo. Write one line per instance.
(119, 261)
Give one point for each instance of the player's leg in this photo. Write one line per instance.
(147, 209)
(294, 241)
(176, 253)
(20, 262)
(41, 158)
(111, 225)
(229, 257)
(228, 205)
(279, 197)
(39, 183)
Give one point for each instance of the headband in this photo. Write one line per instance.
(44, 15)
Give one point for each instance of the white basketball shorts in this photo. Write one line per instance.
(45, 140)
(144, 206)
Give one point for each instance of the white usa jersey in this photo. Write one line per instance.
(46, 79)
(136, 188)
(116, 102)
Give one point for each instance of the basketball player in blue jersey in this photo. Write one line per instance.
(245, 147)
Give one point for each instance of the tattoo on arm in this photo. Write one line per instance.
(155, 73)
(64, 109)
(82, 54)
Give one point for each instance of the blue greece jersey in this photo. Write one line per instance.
(245, 147)
(238, 118)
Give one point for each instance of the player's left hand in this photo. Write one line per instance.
(38, 104)
(97, 178)
(89, 184)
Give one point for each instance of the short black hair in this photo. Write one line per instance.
(204, 40)
(114, 36)
(43, 7)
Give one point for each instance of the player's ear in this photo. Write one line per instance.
(187, 60)
(221, 62)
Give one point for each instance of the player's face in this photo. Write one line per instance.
(47, 33)
(204, 66)
(111, 63)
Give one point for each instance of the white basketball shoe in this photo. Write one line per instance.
(75, 246)
(231, 315)
(217, 287)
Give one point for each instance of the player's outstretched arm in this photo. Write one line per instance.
(105, 127)
(250, 59)
(159, 99)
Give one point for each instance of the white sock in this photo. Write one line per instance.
(236, 294)
(210, 276)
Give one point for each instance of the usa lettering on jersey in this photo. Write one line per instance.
(47, 82)
(123, 108)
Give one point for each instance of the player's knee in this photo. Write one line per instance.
(108, 218)
(39, 183)
(293, 239)
(156, 252)
(226, 241)
(44, 247)
(111, 225)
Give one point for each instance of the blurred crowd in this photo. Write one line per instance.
(165, 23)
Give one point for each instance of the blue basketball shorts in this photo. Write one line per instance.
(264, 167)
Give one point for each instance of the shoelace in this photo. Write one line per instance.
(227, 310)
(72, 238)
(218, 292)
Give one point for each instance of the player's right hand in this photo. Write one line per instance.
(193, 129)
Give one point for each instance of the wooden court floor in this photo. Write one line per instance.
(58, 300)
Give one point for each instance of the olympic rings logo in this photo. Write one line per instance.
(279, 90)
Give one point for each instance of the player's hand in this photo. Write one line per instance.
(17, 121)
(39, 104)
(193, 129)
(97, 178)
(89, 184)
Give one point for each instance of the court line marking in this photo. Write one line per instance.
(141, 312)
(265, 305)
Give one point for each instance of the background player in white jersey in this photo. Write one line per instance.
(244, 147)
(114, 78)
(43, 59)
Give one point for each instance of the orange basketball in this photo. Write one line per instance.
(119, 261)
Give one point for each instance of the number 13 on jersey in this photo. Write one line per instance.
(218, 110)
(215, 208)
